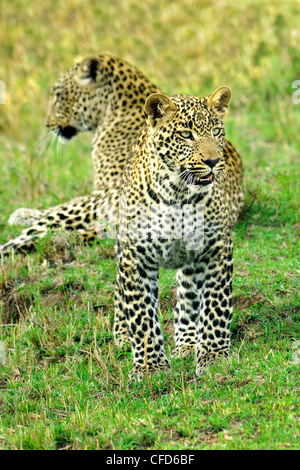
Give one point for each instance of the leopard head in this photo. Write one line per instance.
(187, 135)
(75, 100)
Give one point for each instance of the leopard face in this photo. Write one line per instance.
(187, 135)
(62, 118)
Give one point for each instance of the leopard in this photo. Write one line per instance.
(103, 95)
(174, 214)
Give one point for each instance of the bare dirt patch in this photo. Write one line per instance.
(16, 305)
(243, 302)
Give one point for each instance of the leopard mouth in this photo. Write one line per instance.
(195, 180)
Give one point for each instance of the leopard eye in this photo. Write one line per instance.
(186, 135)
(56, 98)
(216, 131)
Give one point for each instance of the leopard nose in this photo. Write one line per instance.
(211, 163)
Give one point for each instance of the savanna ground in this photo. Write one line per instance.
(63, 385)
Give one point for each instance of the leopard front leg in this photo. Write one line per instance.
(91, 216)
(121, 336)
(213, 337)
(137, 291)
(203, 311)
(186, 312)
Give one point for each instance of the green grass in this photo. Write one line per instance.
(63, 385)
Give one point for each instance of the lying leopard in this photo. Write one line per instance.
(104, 95)
(174, 213)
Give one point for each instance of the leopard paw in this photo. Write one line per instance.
(139, 372)
(184, 350)
(206, 359)
(121, 339)
(24, 216)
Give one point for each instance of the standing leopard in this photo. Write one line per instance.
(174, 213)
(104, 95)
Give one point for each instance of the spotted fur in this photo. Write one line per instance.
(180, 168)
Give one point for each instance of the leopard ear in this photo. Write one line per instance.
(219, 100)
(87, 71)
(157, 107)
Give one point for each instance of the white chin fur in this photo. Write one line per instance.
(63, 139)
(200, 189)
